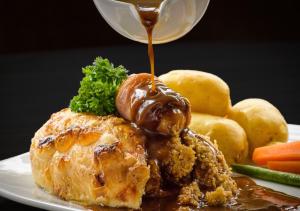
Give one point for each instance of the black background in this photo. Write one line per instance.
(50, 25)
(253, 45)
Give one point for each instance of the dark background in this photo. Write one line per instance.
(34, 25)
(253, 45)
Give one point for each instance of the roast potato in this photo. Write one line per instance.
(206, 92)
(229, 135)
(262, 122)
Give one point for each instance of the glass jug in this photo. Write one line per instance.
(176, 18)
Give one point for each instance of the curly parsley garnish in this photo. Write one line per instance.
(98, 88)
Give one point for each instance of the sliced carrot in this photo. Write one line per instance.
(279, 152)
(287, 166)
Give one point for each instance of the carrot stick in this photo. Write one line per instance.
(279, 152)
(287, 166)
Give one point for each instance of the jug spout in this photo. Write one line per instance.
(176, 18)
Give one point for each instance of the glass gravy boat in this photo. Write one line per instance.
(176, 18)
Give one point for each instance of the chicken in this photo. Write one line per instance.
(210, 171)
(90, 159)
(176, 159)
(176, 154)
(105, 160)
(114, 161)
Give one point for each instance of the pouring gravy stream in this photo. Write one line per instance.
(149, 13)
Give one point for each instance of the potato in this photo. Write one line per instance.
(229, 135)
(262, 122)
(206, 92)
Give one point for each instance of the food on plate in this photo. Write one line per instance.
(292, 166)
(262, 122)
(229, 135)
(100, 152)
(267, 174)
(163, 111)
(209, 96)
(206, 92)
(210, 170)
(98, 88)
(90, 159)
(103, 160)
(279, 152)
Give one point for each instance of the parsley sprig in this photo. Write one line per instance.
(98, 88)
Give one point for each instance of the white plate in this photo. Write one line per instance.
(16, 183)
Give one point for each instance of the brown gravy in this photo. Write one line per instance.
(251, 197)
(149, 107)
(149, 13)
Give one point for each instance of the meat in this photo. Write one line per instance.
(106, 161)
(90, 159)
(210, 171)
(189, 160)
(176, 159)
(163, 111)
(176, 155)
(190, 195)
(114, 161)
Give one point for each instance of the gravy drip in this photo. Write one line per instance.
(251, 197)
(149, 13)
(149, 18)
(148, 107)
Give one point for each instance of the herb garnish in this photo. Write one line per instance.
(98, 88)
